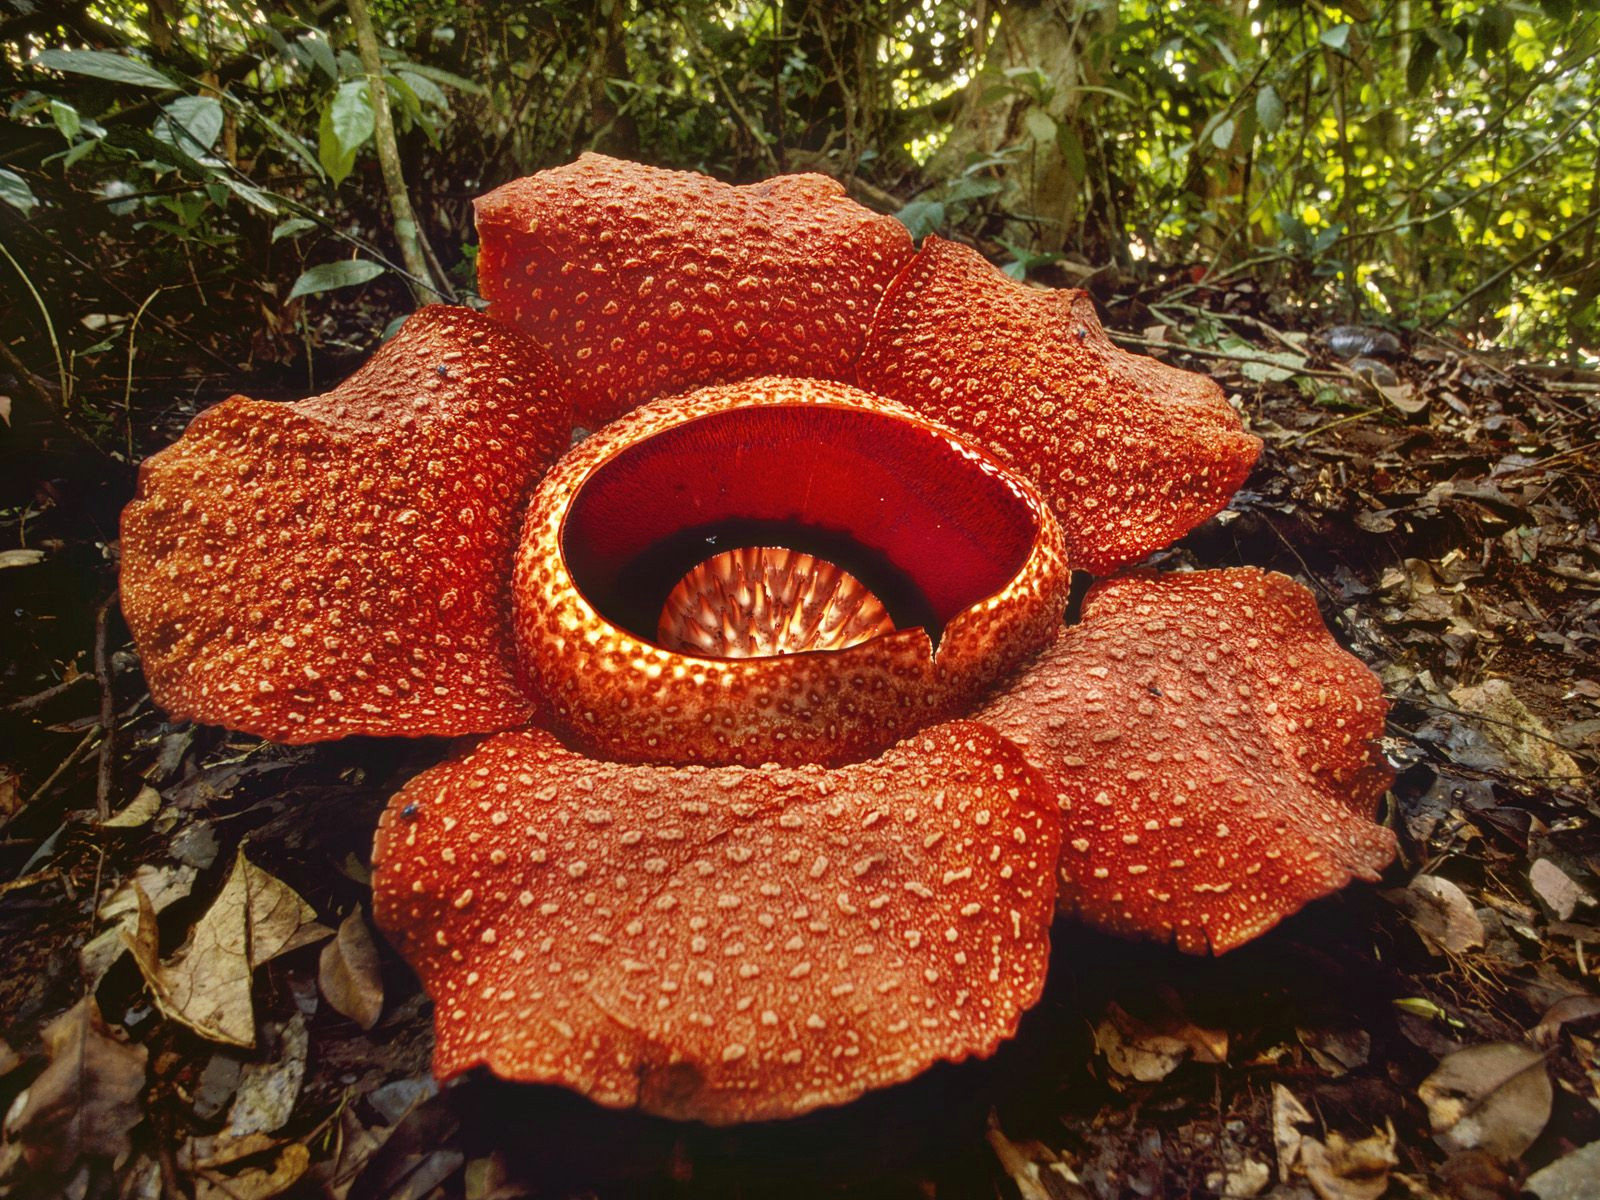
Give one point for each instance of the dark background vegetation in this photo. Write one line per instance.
(1374, 223)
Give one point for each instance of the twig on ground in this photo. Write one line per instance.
(108, 708)
(30, 704)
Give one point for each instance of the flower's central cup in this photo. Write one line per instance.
(772, 569)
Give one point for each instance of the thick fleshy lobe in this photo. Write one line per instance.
(1212, 750)
(645, 282)
(1131, 453)
(972, 551)
(342, 565)
(724, 944)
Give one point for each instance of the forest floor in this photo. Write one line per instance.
(1434, 1035)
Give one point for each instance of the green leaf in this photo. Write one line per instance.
(102, 64)
(347, 272)
(292, 227)
(1222, 135)
(1041, 126)
(66, 119)
(425, 89)
(1420, 65)
(346, 124)
(14, 190)
(191, 122)
(350, 115)
(253, 196)
(1269, 109)
(294, 144)
(921, 217)
(1335, 37)
(316, 45)
(444, 77)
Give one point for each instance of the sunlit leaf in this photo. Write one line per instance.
(292, 227)
(66, 119)
(1269, 109)
(325, 277)
(103, 64)
(1335, 37)
(193, 122)
(14, 190)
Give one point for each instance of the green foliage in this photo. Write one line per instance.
(1429, 162)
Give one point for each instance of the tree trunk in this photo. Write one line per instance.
(1041, 182)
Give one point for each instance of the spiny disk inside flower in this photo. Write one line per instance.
(761, 601)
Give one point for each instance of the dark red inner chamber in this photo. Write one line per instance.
(930, 530)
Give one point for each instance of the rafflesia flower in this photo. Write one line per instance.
(792, 759)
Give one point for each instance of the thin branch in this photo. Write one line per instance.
(406, 229)
(108, 707)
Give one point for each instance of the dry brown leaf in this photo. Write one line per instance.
(1569, 1178)
(206, 985)
(1556, 889)
(10, 793)
(161, 884)
(141, 810)
(1136, 1051)
(349, 973)
(1510, 725)
(267, 1091)
(1288, 1114)
(1495, 1098)
(1340, 1169)
(1441, 913)
(256, 1183)
(85, 1100)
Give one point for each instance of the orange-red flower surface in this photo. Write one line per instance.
(792, 756)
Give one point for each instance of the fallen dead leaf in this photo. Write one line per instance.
(1441, 913)
(163, 885)
(1249, 1178)
(1288, 1114)
(1337, 1169)
(10, 794)
(206, 985)
(256, 1183)
(1569, 1178)
(1134, 1050)
(1337, 1051)
(1495, 1098)
(1340, 1169)
(1577, 1007)
(1149, 1050)
(267, 1091)
(349, 975)
(141, 810)
(85, 1100)
(1556, 889)
(1516, 730)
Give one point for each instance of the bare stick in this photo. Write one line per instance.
(108, 708)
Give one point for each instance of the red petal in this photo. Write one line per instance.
(721, 944)
(342, 565)
(975, 551)
(647, 282)
(1131, 453)
(1212, 750)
